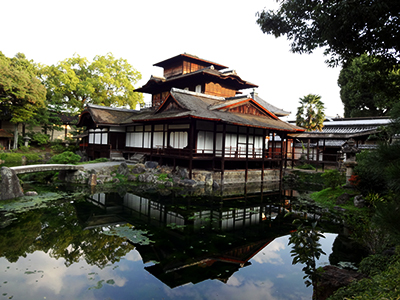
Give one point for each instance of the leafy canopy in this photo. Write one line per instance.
(367, 88)
(310, 114)
(21, 92)
(345, 28)
(75, 82)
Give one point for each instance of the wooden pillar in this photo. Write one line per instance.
(308, 151)
(151, 141)
(247, 155)
(316, 169)
(273, 145)
(281, 160)
(293, 152)
(191, 146)
(286, 149)
(223, 154)
(323, 152)
(263, 154)
(214, 145)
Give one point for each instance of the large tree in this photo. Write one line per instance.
(21, 92)
(310, 114)
(344, 28)
(75, 82)
(367, 88)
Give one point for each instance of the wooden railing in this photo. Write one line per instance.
(230, 153)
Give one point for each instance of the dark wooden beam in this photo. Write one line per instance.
(223, 154)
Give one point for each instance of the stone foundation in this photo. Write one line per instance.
(239, 176)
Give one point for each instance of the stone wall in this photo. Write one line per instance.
(239, 176)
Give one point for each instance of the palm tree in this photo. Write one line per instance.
(310, 115)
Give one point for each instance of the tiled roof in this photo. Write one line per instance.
(268, 106)
(155, 82)
(5, 134)
(334, 143)
(189, 104)
(347, 128)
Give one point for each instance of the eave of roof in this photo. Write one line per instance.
(155, 82)
(181, 57)
(5, 134)
(196, 105)
(230, 103)
(268, 106)
(110, 116)
(322, 135)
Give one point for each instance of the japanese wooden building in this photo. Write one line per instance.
(322, 148)
(199, 118)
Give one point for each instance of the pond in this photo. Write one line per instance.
(129, 245)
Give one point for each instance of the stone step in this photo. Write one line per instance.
(137, 157)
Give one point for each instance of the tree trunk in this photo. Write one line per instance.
(15, 136)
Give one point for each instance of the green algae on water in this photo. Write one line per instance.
(27, 203)
(136, 236)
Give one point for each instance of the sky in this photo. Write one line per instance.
(147, 32)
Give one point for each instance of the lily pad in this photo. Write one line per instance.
(136, 236)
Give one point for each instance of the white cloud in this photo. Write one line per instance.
(270, 254)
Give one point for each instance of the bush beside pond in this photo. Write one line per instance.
(17, 158)
(376, 229)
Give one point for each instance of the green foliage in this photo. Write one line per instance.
(304, 180)
(57, 146)
(370, 172)
(306, 167)
(327, 197)
(97, 160)
(386, 217)
(38, 229)
(306, 249)
(40, 138)
(16, 158)
(42, 177)
(310, 114)
(333, 178)
(382, 285)
(372, 237)
(374, 199)
(374, 264)
(75, 82)
(24, 148)
(379, 170)
(368, 88)
(66, 157)
(345, 29)
(21, 92)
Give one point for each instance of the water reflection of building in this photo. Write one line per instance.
(210, 239)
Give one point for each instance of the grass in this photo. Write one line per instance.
(327, 198)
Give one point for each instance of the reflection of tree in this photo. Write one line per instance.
(306, 250)
(57, 230)
(17, 240)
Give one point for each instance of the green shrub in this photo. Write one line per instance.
(40, 138)
(66, 157)
(58, 148)
(24, 148)
(374, 264)
(16, 158)
(306, 167)
(382, 285)
(31, 157)
(333, 178)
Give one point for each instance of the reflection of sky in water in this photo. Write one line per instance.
(271, 275)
